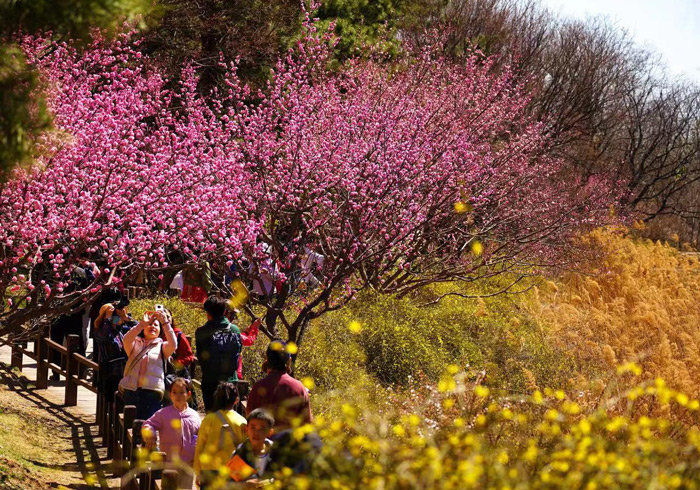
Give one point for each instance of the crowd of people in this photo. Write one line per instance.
(150, 362)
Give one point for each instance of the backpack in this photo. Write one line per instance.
(224, 348)
(225, 427)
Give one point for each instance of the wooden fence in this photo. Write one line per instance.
(118, 428)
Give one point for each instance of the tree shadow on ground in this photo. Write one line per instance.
(90, 456)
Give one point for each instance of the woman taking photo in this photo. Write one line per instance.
(143, 384)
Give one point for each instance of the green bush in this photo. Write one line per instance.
(400, 340)
(380, 344)
(187, 317)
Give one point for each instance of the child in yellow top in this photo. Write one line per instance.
(219, 435)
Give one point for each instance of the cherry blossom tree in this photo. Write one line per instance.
(395, 176)
(388, 176)
(131, 176)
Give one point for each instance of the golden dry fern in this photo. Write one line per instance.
(642, 304)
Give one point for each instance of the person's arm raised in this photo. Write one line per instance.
(170, 343)
(131, 336)
(249, 336)
(106, 309)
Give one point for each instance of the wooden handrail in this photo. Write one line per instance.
(86, 362)
(56, 346)
(115, 422)
(85, 384)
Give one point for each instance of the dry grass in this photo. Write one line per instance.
(642, 304)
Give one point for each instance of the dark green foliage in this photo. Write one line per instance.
(23, 114)
(362, 24)
(254, 31)
(74, 18)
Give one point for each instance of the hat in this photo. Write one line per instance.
(122, 303)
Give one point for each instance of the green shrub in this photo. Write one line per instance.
(187, 317)
(400, 343)
(401, 340)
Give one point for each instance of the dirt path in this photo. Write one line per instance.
(44, 444)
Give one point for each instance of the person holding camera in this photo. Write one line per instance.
(111, 324)
(143, 384)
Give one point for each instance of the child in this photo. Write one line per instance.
(252, 459)
(221, 432)
(177, 425)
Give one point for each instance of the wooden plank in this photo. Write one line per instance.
(56, 368)
(86, 362)
(84, 384)
(56, 346)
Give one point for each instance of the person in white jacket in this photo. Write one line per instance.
(143, 384)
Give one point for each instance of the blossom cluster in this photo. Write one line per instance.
(387, 176)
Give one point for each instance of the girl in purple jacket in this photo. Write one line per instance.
(177, 425)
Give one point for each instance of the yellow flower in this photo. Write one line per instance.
(537, 397)
(446, 384)
(481, 391)
(355, 327)
(308, 383)
(530, 453)
(399, 430)
(276, 345)
(239, 296)
(629, 367)
(461, 207)
(551, 415)
(682, 399)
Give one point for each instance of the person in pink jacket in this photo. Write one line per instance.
(177, 425)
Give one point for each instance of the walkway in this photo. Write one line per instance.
(79, 421)
(87, 400)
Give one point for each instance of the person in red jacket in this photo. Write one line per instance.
(285, 397)
(183, 357)
(248, 336)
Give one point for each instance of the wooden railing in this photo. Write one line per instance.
(118, 428)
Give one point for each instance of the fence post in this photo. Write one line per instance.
(170, 480)
(16, 359)
(145, 480)
(129, 417)
(72, 370)
(42, 363)
(136, 438)
(99, 416)
(156, 474)
(116, 407)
